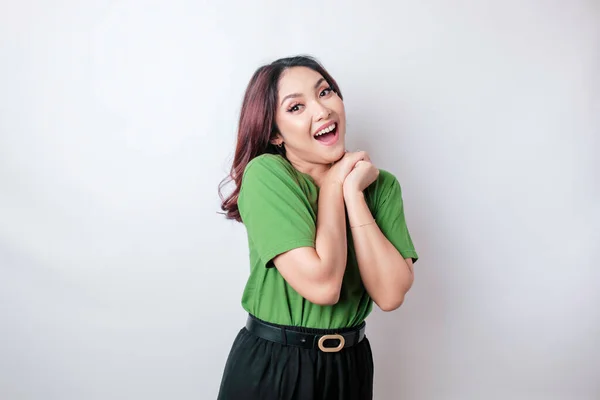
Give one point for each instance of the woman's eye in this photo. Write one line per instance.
(325, 92)
(294, 108)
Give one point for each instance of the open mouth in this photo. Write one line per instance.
(328, 136)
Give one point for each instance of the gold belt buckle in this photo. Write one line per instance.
(340, 346)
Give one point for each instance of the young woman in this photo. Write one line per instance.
(327, 237)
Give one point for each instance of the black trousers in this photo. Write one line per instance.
(260, 369)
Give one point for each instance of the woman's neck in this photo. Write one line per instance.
(316, 171)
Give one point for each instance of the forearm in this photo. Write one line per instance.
(317, 274)
(330, 242)
(384, 272)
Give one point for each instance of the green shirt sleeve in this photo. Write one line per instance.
(274, 209)
(389, 214)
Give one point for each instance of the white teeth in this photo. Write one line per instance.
(326, 130)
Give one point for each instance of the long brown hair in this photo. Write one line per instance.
(257, 126)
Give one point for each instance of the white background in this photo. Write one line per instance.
(119, 279)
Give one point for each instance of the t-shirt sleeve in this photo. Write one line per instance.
(390, 215)
(275, 211)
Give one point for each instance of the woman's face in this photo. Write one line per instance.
(310, 117)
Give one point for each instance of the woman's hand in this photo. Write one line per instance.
(363, 174)
(340, 170)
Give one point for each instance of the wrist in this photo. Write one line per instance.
(332, 183)
(353, 195)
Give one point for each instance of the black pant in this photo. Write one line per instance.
(260, 369)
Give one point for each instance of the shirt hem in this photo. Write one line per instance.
(269, 255)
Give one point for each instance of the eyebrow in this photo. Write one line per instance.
(289, 96)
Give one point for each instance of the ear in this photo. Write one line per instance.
(277, 140)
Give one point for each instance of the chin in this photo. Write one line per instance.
(336, 154)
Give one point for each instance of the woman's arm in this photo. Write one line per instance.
(387, 276)
(317, 273)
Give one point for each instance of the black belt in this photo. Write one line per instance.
(288, 336)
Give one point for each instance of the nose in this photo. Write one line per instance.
(322, 112)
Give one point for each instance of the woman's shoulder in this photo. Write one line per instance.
(386, 179)
(385, 185)
(268, 166)
(270, 176)
(268, 160)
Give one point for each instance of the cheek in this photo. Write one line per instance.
(340, 107)
(337, 105)
(293, 127)
(341, 113)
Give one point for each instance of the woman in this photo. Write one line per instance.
(327, 237)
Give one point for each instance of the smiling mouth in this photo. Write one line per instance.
(328, 136)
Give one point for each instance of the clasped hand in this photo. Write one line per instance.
(354, 171)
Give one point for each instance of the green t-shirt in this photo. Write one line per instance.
(278, 206)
